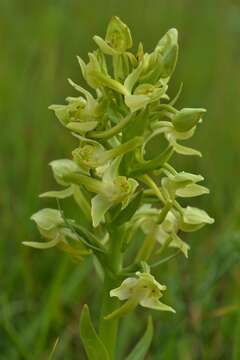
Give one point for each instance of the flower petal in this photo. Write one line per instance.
(42, 245)
(136, 102)
(104, 47)
(100, 205)
(124, 291)
(82, 127)
(192, 190)
(196, 216)
(184, 150)
(47, 219)
(60, 194)
(153, 303)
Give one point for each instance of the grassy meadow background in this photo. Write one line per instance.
(41, 293)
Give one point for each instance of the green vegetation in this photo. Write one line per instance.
(41, 293)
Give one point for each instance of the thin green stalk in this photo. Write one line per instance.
(146, 249)
(163, 261)
(16, 341)
(108, 329)
(107, 134)
(164, 246)
(82, 202)
(149, 181)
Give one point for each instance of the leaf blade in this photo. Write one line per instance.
(140, 350)
(93, 345)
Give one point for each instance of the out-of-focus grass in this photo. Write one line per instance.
(42, 292)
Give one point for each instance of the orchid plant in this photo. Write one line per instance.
(125, 195)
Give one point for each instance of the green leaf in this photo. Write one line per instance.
(93, 345)
(126, 214)
(140, 350)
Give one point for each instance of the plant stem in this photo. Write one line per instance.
(146, 250)
(108, 328)
(149, 181)
(107, 134)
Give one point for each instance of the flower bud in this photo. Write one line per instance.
(97, 76)
(168, 40)
(48, 221)
(194, 219)
(194, 215)
(62, 168)
(118, 35)
(168, 48)
(187, 118)
(71, 111)
(120, 189)
(89, 156)
(51, 226)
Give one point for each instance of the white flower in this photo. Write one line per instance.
(81, 114)
(165, 231)
(143, 290)
(182, 184)
(63, 167)
(172, 135)
(51, 226)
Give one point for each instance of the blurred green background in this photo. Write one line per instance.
(42, 292)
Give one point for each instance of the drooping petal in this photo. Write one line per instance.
(42, 245)
(60, 194)
(100, 205)
(184, 150)
(153, 303)
(179, 243)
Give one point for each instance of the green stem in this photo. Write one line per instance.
(146, 249)
(108, 329)
(82, 202)
(163, 261)
(107, 134)
(125, 147)
(149, 181)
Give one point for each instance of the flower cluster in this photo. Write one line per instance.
(112, 176)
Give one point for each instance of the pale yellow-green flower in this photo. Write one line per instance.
(141, 290)
(114, 189)
(166, 231)
(51, 226)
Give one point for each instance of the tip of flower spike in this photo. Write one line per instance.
(173, 32)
